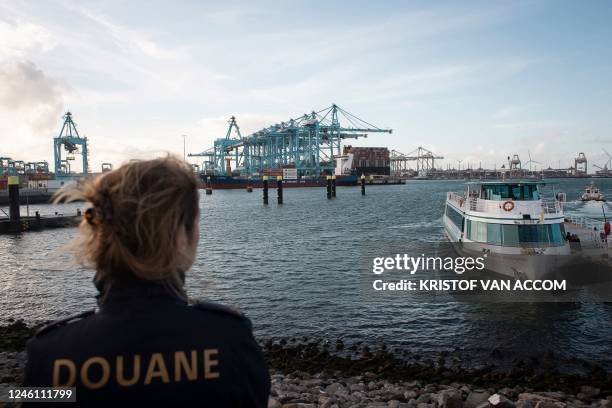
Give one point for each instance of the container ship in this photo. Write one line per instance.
(355, 161)
(240, 182)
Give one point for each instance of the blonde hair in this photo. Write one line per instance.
(136, 214)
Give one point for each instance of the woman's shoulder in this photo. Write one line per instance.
(64, 322)
(218, 311)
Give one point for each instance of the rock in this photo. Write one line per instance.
(299, 405)
(607, 403)
(424, 398)
(272, 403)
(527, 396)
(410, 394)
(337, 389)
(357, 387)
(589, 392)
(476, 397)
(499, 401)
(450, 398)
(550, 404)
(555, 395)
(508, 392)
(312, 382)
(524, 404)
(393, 404)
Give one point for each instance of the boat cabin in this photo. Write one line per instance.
(517, 190)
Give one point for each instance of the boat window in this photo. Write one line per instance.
(455, 217)
(494, 234)
(557, 233)
(515, 235)
(499, 192)
(533, 233)
(477, 231)
(480, 232)
(510, 235)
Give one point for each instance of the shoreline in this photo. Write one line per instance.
(309, 374)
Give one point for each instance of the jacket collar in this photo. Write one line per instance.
(132, 290)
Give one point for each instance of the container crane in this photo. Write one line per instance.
(309, 143)
(425, 161)
(71, 142)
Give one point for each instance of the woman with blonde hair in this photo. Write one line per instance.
(146, 344)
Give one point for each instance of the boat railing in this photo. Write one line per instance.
(593, 230)
(456, 198)
(534, 207)
(584, 222)
(551, 206)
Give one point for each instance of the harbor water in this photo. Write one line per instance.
(293, 269)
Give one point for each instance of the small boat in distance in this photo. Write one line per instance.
(592, 193)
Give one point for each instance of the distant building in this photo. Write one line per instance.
(363, 160)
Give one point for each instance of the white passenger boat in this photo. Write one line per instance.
(521, 233)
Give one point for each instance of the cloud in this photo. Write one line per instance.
(537, 124)
(21, 38)
(508, 112)
(540, 148)
(599, 140)
(31, 105)
(134, 40)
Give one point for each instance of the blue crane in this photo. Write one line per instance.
(70, 141)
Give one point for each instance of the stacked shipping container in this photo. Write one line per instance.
(369, 160)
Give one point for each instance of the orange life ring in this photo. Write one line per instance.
(508, 206)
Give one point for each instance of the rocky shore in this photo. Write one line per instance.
(302, 390)
(309, 374)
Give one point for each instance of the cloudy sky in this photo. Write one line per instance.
(474, 81)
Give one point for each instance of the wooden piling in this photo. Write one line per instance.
(14, 214)
(265, 189)
(208, 186)
(279, 188)
(363, 184)
(333, 186)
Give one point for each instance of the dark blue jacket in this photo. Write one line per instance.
(147, 347)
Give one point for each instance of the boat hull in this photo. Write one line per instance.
(526, 266)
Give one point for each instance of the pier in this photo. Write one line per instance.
(13, 222)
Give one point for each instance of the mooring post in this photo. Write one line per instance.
(333, 186)
(363, 184)
(14, 215)
(250, 185)
(329, 183)
(279, 187)
(265, 189)
(208, 186)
